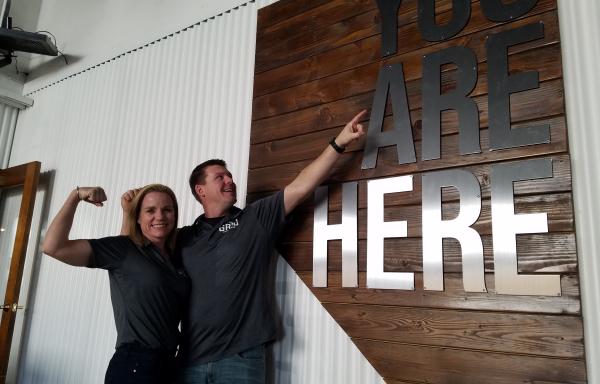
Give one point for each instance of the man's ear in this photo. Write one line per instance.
(199, 190)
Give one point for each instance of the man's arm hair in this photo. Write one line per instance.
(317, 171)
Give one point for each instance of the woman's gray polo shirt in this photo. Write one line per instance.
(148, 294)
(231, 269)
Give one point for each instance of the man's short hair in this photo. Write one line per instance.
(198, 175)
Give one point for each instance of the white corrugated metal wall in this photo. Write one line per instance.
(148, 116)
(579, 31)
(104, 127)
(8, 120)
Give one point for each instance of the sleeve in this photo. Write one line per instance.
(270, 212)
(183, 236)
(109, 252)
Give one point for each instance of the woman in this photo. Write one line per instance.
(148, 291)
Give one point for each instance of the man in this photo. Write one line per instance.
(228, 253)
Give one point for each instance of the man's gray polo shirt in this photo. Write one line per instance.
(231, 268)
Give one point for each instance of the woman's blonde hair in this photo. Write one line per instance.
(135, 232)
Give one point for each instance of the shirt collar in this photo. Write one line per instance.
(232, 214)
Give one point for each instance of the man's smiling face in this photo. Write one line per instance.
(218, 190)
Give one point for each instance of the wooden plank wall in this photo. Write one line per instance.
(317, 64)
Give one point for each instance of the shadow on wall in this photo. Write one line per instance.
(45, 373)
(52, 65)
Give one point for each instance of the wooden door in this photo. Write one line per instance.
(27, 176)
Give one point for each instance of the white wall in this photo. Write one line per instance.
(70, 333)
(581, 55)
(89, 32)
(8, 120)
(150, 116)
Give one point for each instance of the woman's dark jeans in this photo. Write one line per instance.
(133, 364)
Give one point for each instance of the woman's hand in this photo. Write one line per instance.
(127, 205)
(92, 195)
(127, 199)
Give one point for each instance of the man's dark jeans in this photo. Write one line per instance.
(247, 367)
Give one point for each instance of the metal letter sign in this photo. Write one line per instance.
(389, 26)
(435, 229)
(496, 10)
(390, 77)
(506, 224)
(501, 85)
(378, 230)
(434, 102)
(347, 231)
(431, 31)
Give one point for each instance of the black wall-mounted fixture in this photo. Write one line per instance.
(12, 40)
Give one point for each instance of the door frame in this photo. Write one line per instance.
(26, 175)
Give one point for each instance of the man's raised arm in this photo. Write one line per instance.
(316, 172)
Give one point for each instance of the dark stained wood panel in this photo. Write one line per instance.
(349, 166)
(558, 250)
(448, 365)
(393, 381)
(560, 182)
(363, 79)
(366, 25)
(294, 148)
(552, 336)
(317, 65)
(453, 296)
(524, 106)
(558, 207)
(282, 11)
(367, 51)
(307, 28)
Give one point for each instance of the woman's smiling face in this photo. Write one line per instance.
(157, 217)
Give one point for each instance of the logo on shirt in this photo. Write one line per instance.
(229, 226)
